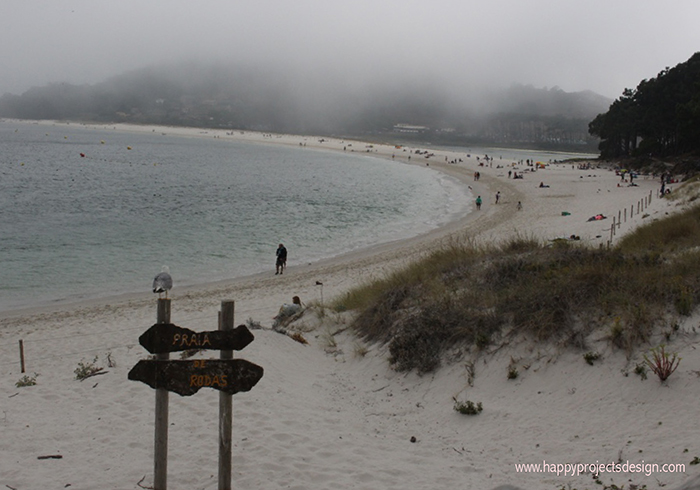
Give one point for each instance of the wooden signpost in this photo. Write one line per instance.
(166, 337)
(187, 377)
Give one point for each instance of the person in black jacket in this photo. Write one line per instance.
(281, 263)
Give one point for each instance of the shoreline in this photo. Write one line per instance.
(314, 143)
(333, 413)
(370, 262)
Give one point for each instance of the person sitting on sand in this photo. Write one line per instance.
(287, 311)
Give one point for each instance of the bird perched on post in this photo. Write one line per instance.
(163, 282)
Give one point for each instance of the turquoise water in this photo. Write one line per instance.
(506, 156)
(74, 227)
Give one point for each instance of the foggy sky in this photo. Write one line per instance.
(600, 45)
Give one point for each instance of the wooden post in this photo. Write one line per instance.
(21, 354)
(160, 453)
(225, 406)
(625, 215)
(619, 219)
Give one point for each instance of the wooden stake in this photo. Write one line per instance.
(21, 354)
(160, 466)
(225, 406)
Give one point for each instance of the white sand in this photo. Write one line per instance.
(324, 416)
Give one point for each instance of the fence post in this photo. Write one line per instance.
(160, 463)
(612, 231)
(21, 354)
(225, 406)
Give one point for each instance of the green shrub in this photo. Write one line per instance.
(661, 363)
(415, 349)
(641, 370)
(591, 357)
(253, 324)
(468, 407)
(684, 301)
(87, 369)
(26, 380)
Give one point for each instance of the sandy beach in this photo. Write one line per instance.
(333, 414)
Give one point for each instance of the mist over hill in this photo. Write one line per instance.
(284, 99)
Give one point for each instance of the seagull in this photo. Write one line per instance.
(163, 282)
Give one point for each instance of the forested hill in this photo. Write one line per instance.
(660, 118)
(255, 98)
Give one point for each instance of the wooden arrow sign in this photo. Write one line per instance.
(187, 377)
(166, 337)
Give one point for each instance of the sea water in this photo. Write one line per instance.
(507, 156)
(90, 213)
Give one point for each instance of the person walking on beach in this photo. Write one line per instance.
(498, 196)
(281, 262)
(478, 202)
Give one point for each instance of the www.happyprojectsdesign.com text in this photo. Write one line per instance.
(597, 468)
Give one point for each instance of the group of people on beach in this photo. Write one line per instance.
(480, 201)
(665, 179)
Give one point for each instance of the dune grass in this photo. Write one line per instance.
(466, 296)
